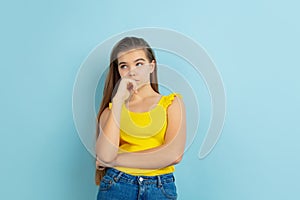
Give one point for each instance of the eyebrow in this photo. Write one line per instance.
(139, 59)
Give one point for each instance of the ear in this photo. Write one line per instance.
(152, 66)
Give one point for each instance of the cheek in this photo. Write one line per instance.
(142, 75)
(122, 73)
(144, 72)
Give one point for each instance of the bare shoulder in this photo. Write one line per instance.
(176, 120)
(177, 106)
(104, 116)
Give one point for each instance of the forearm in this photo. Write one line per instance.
(154, 158)
(107, 143)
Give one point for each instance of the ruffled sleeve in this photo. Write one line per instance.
(167, 100)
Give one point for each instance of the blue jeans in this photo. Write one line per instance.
(117, 185)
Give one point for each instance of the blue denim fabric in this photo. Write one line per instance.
(117, 185)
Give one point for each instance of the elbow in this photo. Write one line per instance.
(178, 160)
(106, 157)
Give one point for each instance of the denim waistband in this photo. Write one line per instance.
(124, 177)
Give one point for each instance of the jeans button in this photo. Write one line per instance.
(141, 179)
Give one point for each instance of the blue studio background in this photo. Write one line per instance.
(255, 46)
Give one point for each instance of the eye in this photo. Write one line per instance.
(139, 64)
(123, 66)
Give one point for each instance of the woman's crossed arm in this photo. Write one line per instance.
(169, 153)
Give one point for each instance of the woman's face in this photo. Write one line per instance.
(135, 65)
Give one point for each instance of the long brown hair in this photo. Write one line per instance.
(113, 77)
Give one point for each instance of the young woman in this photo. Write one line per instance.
(141, 134)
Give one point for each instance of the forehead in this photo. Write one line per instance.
(131, 55)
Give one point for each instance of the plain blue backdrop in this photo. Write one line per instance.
(255, 46)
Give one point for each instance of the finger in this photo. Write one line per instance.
(129, 86)
(132, 85)
(99, 166)
(97, 162)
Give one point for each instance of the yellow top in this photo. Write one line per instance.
(144, 130)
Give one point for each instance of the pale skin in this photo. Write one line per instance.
(137, 94)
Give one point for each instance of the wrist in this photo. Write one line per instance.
(117, 101)
(116, 106)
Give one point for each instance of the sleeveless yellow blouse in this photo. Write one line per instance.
(144, 130)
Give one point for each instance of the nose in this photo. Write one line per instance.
(132, 71)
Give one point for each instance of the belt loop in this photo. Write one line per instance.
(116, 178)
(159, 181)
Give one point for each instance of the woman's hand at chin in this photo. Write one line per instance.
(126, 88)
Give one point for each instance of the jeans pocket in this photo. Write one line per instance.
(169, 190)
(106, 183)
